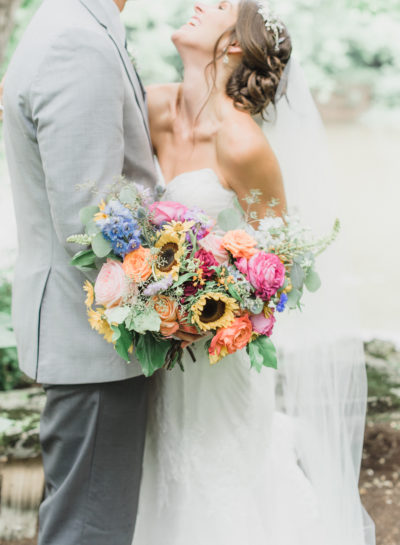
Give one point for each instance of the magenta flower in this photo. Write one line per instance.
(265, 272)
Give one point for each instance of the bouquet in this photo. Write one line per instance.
(164, 267)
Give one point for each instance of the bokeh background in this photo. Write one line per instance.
(350, 51)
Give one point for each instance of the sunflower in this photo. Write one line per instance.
(171, 249)
(213, 310)
(178, 227)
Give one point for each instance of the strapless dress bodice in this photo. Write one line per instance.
(200, 189)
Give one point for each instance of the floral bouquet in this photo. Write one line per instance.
(164, 267)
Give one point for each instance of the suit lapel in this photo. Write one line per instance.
(104, 13)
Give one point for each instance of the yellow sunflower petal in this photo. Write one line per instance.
(88, 288)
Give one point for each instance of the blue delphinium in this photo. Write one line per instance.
(280, 307)
(120, 228)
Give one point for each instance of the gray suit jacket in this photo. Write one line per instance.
(74, 113)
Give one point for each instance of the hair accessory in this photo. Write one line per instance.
(272, 22)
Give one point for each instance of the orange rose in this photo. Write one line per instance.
(167, 309)
(229, 339)
(239, 243)
(137, 264)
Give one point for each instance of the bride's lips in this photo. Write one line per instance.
(194, 21)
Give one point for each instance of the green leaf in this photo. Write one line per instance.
(142, 321)
(117, 315)
(91, 228)
(313, 281)
(238, 206)
(86, 214)
(101, 247)
(294, 297)
(297, 276)
(229, 219)
(262, 353)
(128, 195)
(84, 259)
(233, 292)
(151, 353)
(123, 342)
(182, 279)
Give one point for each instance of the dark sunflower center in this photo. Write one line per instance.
(166, 257)
(213, 310)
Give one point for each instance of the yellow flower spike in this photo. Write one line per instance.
(100, 216)
(288, 288)
(88, 288)
(102, 205)
(130, 349)
(267, 311)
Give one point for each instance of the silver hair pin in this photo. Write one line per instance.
(272, 22)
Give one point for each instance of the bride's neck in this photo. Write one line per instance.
(200, 97)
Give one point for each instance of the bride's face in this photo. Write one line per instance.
(205, 27)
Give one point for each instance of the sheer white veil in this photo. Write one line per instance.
(321, 377)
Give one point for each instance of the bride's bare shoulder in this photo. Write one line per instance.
(161, 99)
(241, 141)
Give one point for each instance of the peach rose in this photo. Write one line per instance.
(110, 286)
(167, 309)
(137, 264)
(212, 243)
(232, 338)
(239, 243)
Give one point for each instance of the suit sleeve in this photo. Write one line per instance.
(77, 101)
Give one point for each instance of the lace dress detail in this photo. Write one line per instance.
(220, 466)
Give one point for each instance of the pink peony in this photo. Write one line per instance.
(262, 324)
(207, 260)
(264, 271)
(212, 243)
(111, 284)
(166, 211)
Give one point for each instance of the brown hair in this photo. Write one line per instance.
(253, 84)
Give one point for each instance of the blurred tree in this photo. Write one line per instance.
(7, 12)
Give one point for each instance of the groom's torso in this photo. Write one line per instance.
(55, 342)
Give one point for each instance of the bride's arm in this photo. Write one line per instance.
(248, 163)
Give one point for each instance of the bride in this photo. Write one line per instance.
(233, 457)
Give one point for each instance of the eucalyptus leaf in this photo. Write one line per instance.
(313, 281)
(86, 214)
(142, 321)
(297, 276)
(84, 259)
(151, 353)
(101, 247)
(229, 219)
(91, 228)
(117, 315)
(294, 297)
(128, 195)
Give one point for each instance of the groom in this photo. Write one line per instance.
(74, 113)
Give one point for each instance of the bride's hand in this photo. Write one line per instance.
(187, 338)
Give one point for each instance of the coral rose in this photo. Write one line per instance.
(231, 338)
(166, 211)
(264, 323)
(111, 284)
(184, 325)
(137, 264)
(167, 309)
(212, 243)
(239, 243)
(265, 272)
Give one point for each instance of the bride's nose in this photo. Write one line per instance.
(199, 8)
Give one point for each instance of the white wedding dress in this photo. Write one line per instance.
(220, 466)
